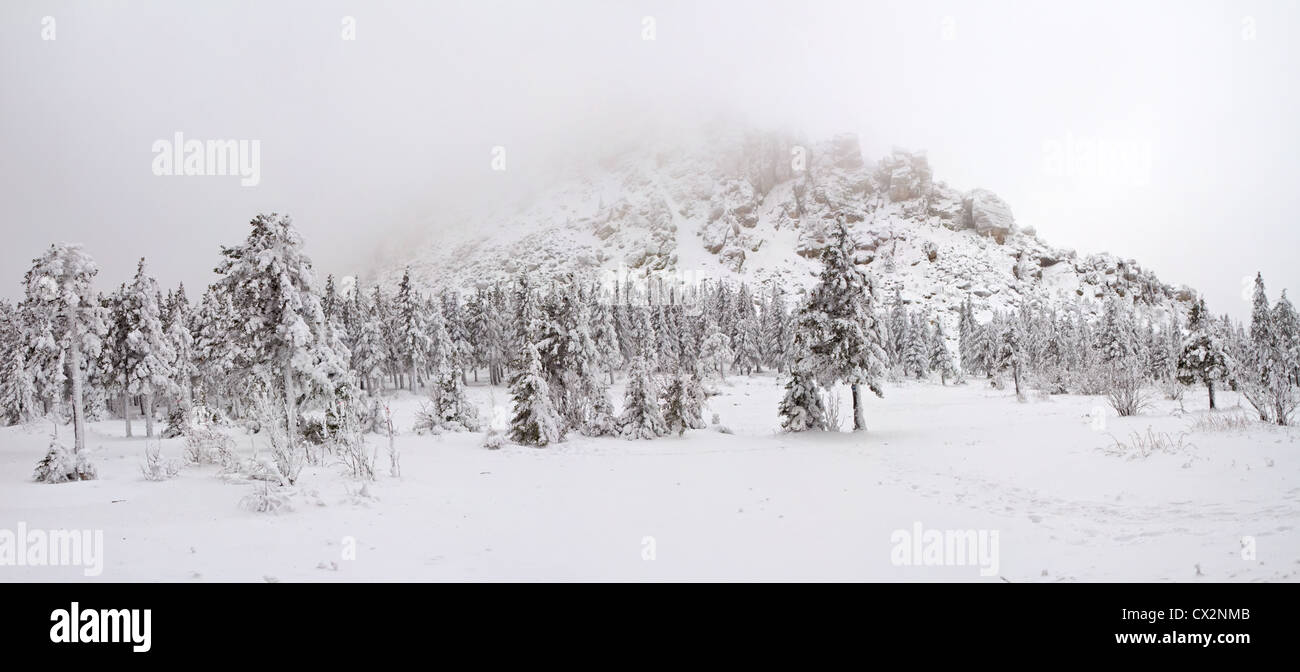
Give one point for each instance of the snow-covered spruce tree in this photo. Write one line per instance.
(454, 409)
(535, 422)
(149, 370)
(414, 342)
(1011, 351)
(643, 337)
(967, 334)
(1267, 381)
(17, 393)
(916, 355)
(716, 351)
(896, 345)
(215, 341)
(115, 351)
(801, 408)
(181, 338)
(778, 333)
(272, 290)
(65, 324)
(940, 359)
(1115, 336)
(1287, 324)
(498, 345)
(641, 418)
(839, 325)
(454, 318)
(606, 335)
(683, 403)
(1204, 358)
(746, 346)
(667, 327)
(366, 341)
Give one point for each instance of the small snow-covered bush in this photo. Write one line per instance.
(427, 420)
(178, 422)
(156, 467)
(205, 444)
(359, 462)
(493, 440)
(61, 465)
(314, 432)
(266, 499)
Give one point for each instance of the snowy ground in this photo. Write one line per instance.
(752, 504)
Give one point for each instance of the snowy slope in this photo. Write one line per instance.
(752, 206)
(753, 504)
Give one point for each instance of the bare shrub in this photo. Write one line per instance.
(1224, 422)
(1126, 391)
(832, 410)
(156, 467)
(1141, 445)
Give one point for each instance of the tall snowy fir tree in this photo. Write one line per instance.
(414, 342)
(17, 393)
(778, 333)
(150, 356)
(535, 422)
(69, 324)
(180, 335)
(801, 407)
(272, 290)
(916, 348)
(1204, 358)
(839, 328)
(642, 417)
(939, 358)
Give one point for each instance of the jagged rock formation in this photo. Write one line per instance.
(754, 206)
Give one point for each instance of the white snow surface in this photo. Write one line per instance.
(752, 504)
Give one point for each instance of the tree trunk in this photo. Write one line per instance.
(78, 412)
(148, 414)
(126, 412)
(859, 424)
(290, 403)
(1209, 386)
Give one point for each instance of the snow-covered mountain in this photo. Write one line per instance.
(753, 206)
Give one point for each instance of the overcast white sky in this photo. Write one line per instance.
(392, 131)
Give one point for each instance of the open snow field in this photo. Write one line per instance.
(752, 504)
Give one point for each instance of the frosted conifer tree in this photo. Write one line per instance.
(65, 324)
(916, 349)
(748, 357)
(777, 331)
(1204, 358)
(641, 417)
(716, 351)
(801, 408)
(283, 339)
(149, 371)
(414, 342)
(896, 344)
(684, 403)
(17, 393)
(535, 422)
(839, 326)
(939, 358)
